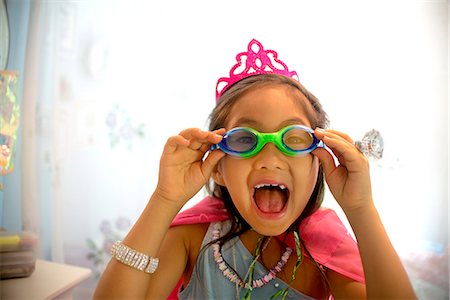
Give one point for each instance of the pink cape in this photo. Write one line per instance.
(325, 237)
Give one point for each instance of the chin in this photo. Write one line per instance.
(272, 227)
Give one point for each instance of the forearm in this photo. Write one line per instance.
(385, 276)
(121, 281)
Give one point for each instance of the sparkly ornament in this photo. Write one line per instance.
(371, 145)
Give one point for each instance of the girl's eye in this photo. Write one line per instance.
(294, 140)
(246, 140)
(241, 141)
(297, 139)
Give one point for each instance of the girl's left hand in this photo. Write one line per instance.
(349, 181)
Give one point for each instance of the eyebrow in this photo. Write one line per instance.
(244, 121)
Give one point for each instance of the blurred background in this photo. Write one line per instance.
(101, 84)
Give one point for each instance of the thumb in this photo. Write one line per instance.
(326, 159)
(211, 161)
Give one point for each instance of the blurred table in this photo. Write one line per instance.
(49, 281)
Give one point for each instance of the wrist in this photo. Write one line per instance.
(363, 210)
(168, 204)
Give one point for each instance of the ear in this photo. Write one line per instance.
(217, 175)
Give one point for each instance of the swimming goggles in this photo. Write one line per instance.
(246, 142)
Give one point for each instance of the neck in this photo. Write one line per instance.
(273, 247)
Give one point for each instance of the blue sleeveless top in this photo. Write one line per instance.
(208, 282)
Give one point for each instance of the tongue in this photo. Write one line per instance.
(270, 200)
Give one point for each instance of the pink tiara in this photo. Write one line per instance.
(257, 61)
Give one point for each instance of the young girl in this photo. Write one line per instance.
(262, 232)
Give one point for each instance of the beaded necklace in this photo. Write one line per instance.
(233, 277)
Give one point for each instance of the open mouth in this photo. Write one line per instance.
(271, 198)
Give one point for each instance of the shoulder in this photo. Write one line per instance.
(344, 287)
(192, 235)
(189, 233)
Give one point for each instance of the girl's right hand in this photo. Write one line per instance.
(184, 170)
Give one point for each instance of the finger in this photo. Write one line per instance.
(336, 154)
(203, 140)
(174, 142)
(220, 131)
(216, 137)
(339, 144)
(344, 151)
(202, 135)
(326, 135)
(347, 154)
(208, 136)
(332, 133)
(211, 161)
(195, 139)
(192, 135)
(342, 134)
(188, 133)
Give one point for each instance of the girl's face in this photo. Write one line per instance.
(270, 190)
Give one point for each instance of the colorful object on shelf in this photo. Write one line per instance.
(9, 119)
(17, 254)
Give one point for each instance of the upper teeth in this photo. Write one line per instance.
(258, 186)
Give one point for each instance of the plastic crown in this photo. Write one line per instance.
(255, 61)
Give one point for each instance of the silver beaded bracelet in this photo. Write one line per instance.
(133, 258)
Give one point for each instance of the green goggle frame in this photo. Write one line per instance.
(244, 142)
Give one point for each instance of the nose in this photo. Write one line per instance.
(270, 158)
